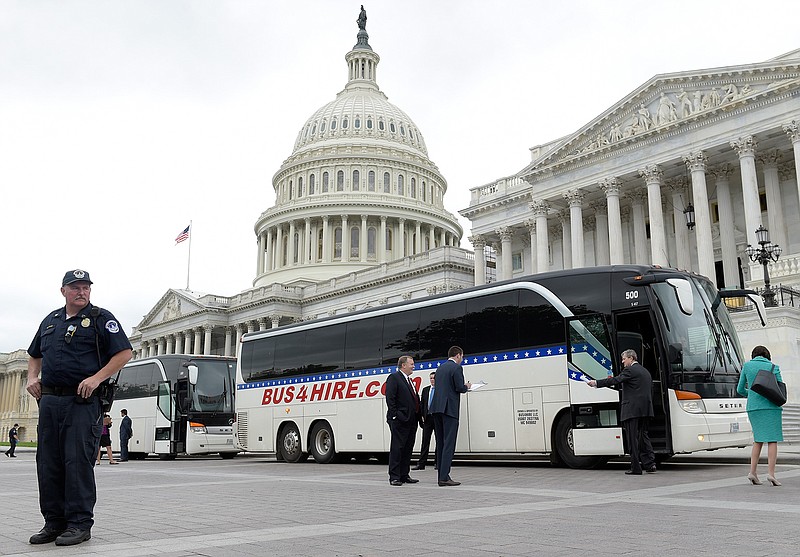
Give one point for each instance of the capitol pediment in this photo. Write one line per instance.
(172, 305)
(670, 101)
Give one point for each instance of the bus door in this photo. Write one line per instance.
(595, 418)
(635, 330)
(182, 404)
(173, 405)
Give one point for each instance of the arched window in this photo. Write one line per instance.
(357, 123)
(333, 124)
(340, 180)
(314, 129)
(284, 250)
(381, 126)
(324, 182)
(296, 247)
(372, 241)
(401, 189)
(414, 188)
(300, 187)
(369, 123)
(311, 184)
(337, 243)
(387, 183)
(389, 238)
(391, 127)
(427, 243)
(322, 127)
(371, 180)
(344, 123)
(424, 192)
(356, 180)
(355, 238)
(291, 189)
(319, 246)
(402, 130)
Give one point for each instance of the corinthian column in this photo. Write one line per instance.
(679, 196)
(696, 163)
(540, 209)
(506, 234)
(478, 244)
(575, 200)
(566, 239)
(730, 263)
(638, 198)
(653, 177)
(600, 232)
(530, 224)
(793, 131)
(775, 220)
(611, 187)
(746, 149)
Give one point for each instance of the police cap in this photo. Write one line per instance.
(75, 276)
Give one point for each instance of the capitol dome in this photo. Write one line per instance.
(358, 189)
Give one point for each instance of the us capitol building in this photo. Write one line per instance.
(359, 218)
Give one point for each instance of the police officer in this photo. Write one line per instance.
(76, 348)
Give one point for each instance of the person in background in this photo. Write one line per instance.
(105, 441)
(445, 408)
(13, 439)
(636, 409)
(125, 434)
(75, 349)
(766, 418)
(426, 423)
(402, 415)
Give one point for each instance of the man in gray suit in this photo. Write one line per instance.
(445, 408)
(636, 409)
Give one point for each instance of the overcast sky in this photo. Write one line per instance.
(121, 121)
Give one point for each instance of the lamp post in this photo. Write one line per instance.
(688, 214)
(764, 255)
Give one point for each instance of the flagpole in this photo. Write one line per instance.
(189, 258)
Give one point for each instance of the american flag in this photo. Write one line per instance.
(183, 235)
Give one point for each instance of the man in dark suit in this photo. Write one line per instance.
(445, 408)
(402, 415)
(125, 434)
(426, 422)
(636, 409)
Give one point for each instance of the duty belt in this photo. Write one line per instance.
(60, 391)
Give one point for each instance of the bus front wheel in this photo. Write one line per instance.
(227, 456)
(290, 444)
(564, 447)
(322, 446)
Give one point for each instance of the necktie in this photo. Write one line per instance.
(414, 392)
(430, 397)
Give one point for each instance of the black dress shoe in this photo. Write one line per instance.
(448, 483)
(651, 470)
(45, 535)
(395, 482)
(410, 480)
(632, 473)
(74, 536)
(418, 467)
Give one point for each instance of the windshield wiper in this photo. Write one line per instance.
(717, 349)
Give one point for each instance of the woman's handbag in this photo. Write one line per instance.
(768, 386)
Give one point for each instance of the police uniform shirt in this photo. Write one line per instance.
(68, 348)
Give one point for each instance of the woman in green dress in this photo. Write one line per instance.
(765, 417)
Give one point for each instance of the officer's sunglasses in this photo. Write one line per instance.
(68, 335)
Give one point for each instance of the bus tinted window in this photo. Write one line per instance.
(138, 381)
(440, 327)
(258, 359)
(492, 321)
(400, 335)
(326, 354)
(540, 324)
(363, 346)
(290, 354)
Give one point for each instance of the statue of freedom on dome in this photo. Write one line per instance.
(362, 19)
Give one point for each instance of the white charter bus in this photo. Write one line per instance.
(178, 404)
(318, 387)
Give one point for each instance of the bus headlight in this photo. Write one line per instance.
(695, 406)
(197, 427)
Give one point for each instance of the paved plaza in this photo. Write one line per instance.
(253, 505)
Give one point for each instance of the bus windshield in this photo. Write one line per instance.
(214, 389)
(704, 340)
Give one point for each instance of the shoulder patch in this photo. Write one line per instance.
(112, 326)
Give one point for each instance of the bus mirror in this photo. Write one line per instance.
(192, 374)
(683, 292)
(675, 351)
(758, 301)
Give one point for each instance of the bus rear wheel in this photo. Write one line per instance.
(322, 446)
(564, 447)
(290, 444)
(227, 456)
